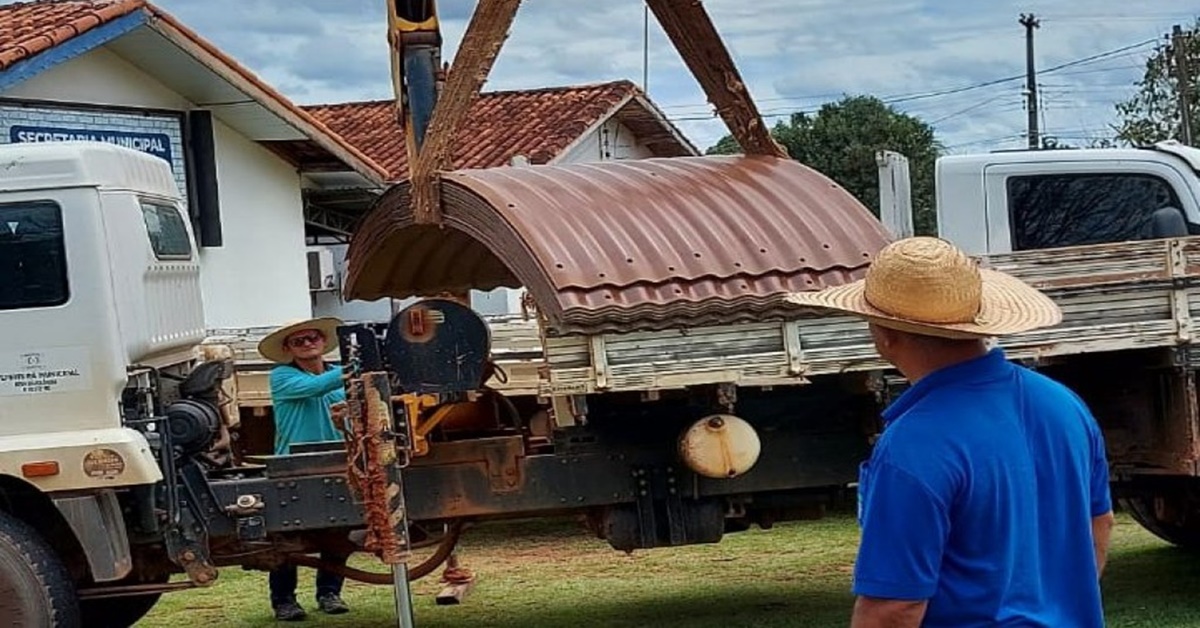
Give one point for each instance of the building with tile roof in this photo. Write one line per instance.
(566, 124)
(243, 155)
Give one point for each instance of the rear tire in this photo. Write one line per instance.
(1171, 516)
(35, 589)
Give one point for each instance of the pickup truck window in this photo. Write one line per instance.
(33, 257)
(167, 231)
(1047, 211)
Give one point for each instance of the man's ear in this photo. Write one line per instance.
(883, 337)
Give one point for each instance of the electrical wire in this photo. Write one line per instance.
(917, 96)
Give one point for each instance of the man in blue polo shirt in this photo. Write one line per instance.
(985, 501)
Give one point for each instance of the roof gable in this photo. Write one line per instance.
(35, 36)
(540, 124)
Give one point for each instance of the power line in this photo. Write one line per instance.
(1097, 57)
(917, 96)
(967, 110)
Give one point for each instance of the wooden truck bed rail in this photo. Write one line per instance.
(1114, 297)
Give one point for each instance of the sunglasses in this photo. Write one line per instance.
(299, 340)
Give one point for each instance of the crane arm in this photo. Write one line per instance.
(415, 41)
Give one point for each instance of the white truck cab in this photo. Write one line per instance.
(1021, 200)
(99, 277)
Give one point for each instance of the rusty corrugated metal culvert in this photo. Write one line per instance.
(624, 245)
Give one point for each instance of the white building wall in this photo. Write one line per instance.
(99, 77)
(259, 276)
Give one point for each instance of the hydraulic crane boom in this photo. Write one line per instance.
(415, 41)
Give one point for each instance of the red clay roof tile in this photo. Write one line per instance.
(27, 28)
(537, 123)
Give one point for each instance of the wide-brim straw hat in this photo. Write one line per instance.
(271, 347)
(928, 286)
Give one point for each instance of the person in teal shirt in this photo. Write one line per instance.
(306, 395)
(303, 402)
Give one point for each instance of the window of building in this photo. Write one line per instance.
(33, 256)
(1049, 211)
(168, 233)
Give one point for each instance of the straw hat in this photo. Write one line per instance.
(928, 286)
(272, 347)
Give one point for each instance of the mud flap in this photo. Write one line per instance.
(97, 523)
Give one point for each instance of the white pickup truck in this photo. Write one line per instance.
(116, 469)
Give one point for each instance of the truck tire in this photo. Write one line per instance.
(35, 588)
(1182, 530)
(117, 612)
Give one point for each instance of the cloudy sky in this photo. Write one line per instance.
(794, 55)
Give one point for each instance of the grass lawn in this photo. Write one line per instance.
(555, 575)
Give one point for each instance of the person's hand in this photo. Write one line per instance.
(339, 411)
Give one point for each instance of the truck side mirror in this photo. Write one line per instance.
(1166, 222)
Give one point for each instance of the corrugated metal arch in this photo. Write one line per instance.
(639, 244)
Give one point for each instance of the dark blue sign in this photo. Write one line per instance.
(157, 144)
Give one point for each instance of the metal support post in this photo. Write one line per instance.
(403, 593)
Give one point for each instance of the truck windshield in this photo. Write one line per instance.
(33, 258)
(1047, 211)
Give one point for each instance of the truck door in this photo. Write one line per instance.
(1044, 204)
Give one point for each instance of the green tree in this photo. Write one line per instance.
(841, 140)
(1152, 115)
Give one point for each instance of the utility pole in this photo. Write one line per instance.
(1030, 22)
(1179, 45)
(646, 49)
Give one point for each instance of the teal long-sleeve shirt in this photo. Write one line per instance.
(301, 401)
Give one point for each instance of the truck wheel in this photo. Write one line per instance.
(1171, 517)
(117, 612)
(35, 588)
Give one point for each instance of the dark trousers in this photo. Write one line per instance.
(284, 579)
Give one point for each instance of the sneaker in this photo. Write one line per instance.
(289, 611)
(332, 604)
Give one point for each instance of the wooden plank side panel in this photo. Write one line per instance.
(1113, 297)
